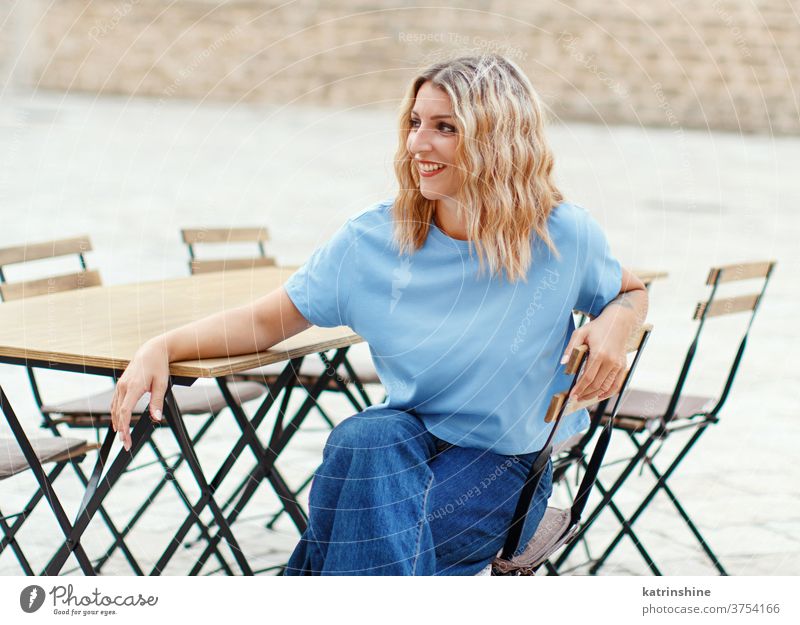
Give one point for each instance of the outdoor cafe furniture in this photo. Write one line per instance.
(560, 525)
(98, 329)
(649, 418)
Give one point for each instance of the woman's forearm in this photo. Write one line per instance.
(628, 308)
(244, 330)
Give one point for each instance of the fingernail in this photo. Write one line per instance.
(157, 414)
(564, 359)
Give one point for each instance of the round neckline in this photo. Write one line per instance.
(440, 235)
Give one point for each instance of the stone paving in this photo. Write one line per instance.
(130, 173)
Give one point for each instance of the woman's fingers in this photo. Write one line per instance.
(605, 389)
(591, 369)
(598, 375)
(127, 402)
(114, 408)
(616, 384)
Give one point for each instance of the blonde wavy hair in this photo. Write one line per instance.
(505, 166)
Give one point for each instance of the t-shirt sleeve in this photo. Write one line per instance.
(602, 273)
(320, 289)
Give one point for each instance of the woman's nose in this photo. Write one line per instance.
(419, 141)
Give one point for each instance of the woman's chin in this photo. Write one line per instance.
(429, 194)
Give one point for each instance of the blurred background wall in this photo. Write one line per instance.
(718, 64)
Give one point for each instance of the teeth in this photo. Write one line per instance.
(429, 167)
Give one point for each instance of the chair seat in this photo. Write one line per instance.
(198, 399)
(644, 405)
(52, 449)
(550, 535)
(358, 356)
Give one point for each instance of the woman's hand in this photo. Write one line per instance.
(148, 371)
(607, 338)
(606, 365)
(254, 327)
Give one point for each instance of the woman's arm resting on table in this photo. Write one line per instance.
(244, 330)
(606, 336)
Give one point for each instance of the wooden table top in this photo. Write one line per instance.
(104, 326)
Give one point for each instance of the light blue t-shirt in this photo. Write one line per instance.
(476, 358)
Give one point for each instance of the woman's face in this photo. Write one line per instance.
(432, 143)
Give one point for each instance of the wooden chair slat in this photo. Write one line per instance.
(208, 266)
(741, 271)
(575, 360)
(45, 286)
(45, 249)
(191, 236)
(555, 405)
(726, 306)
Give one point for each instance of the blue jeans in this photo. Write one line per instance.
(392, 499)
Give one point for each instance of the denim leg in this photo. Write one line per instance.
(368, 500)
(472, 503)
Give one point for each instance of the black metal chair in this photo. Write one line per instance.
(648, 418)
(15, 459)
(560, 526)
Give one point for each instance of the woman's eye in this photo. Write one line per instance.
(415, 123)
(447, 128)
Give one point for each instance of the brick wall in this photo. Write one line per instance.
(723, 64)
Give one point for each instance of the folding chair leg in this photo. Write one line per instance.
(10, 541)
(104, 515)
(97, 491)
(627, 530)
(266, 457)
(282, 383)
(168, 477)
(684, 515)
(173, 416)
(44, 483)
(610, 493)
(119, 538)
(357, 382)
(551, 570)
(646, 501)
(325, 416)
(10, 531)
(271, 523)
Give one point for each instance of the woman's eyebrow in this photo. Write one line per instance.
(444, 116)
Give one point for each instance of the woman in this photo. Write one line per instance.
(464, 287)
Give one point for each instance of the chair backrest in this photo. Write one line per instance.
(38, 251)
(561, 404)
(716, 306)
(196, 236)
(29, 252)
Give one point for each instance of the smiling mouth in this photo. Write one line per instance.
(428, 168)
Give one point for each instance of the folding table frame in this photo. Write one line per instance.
(121, 317)
(100, 483)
